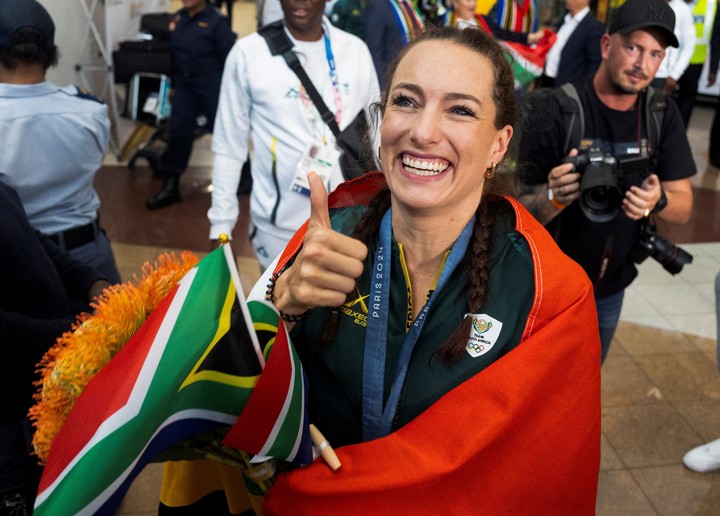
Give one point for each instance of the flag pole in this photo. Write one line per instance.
(324, 449)
(319, 442)
(235, 275)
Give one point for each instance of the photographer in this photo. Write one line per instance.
(629, 133)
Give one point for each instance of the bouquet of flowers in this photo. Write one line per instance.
(94, 339)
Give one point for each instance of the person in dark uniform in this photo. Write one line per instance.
(42, 289)
(200, 41)
(714, 150)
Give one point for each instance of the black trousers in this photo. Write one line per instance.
(714, 151)
(687, 91)
(191, 98)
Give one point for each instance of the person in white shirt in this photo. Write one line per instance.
(706, 457)
(576, 51)
(262, 101)
(677, 59)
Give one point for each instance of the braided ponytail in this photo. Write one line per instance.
(478, 261)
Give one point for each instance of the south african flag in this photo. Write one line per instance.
(190, 369)
(528, 61)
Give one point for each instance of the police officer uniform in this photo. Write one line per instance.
(199, 46)
(54, 141)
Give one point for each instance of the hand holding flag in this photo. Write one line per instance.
(189, 370)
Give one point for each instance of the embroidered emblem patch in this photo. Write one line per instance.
(484, 334)
(357, 309)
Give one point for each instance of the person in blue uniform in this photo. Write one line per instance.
(714, 149)
(52, 139)
(200, 41)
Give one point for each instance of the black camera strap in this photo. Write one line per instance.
(605, 259)
(653, 104)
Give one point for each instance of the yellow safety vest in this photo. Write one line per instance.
(703, 16)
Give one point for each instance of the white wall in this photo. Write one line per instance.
(81, 62)
(77, 43)
(71, 37)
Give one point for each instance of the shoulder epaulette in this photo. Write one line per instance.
(85, 94)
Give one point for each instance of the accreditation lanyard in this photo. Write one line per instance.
(376, 420)
(309, 106)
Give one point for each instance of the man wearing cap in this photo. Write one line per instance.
(647, 139)
(53, 139)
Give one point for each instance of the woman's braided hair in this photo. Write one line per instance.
(477, 258)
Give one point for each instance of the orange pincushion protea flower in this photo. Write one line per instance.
(80, 353)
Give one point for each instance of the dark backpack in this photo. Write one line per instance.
(574, 117)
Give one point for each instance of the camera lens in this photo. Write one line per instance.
(670, 256)
(600, 196)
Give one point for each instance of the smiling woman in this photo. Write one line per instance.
(449, 130)
(456, 343)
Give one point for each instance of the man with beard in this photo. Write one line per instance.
(623, 121)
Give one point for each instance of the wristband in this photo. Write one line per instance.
(558, 205)
(662, 202)
(270, 296)
(553, 201)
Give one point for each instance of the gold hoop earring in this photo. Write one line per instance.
(378, 155)
(490, 171)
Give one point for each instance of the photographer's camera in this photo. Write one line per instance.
(600, 193)
(649, 243)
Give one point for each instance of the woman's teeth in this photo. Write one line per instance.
(425, 167)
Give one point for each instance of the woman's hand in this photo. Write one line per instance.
(326, 267)
(535, 37)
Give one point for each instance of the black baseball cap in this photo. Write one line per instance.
(17, 14)
(641, 14)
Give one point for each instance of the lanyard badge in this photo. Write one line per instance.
(377, 420)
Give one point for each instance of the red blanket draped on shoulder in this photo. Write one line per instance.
(521, 437)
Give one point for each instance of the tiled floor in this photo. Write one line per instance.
(660, 383)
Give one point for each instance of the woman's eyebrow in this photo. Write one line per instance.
(448, 96)
(462, 96)
(409, 86)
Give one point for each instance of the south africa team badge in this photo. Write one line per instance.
(484, 334)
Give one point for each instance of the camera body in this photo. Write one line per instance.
(600, 193)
